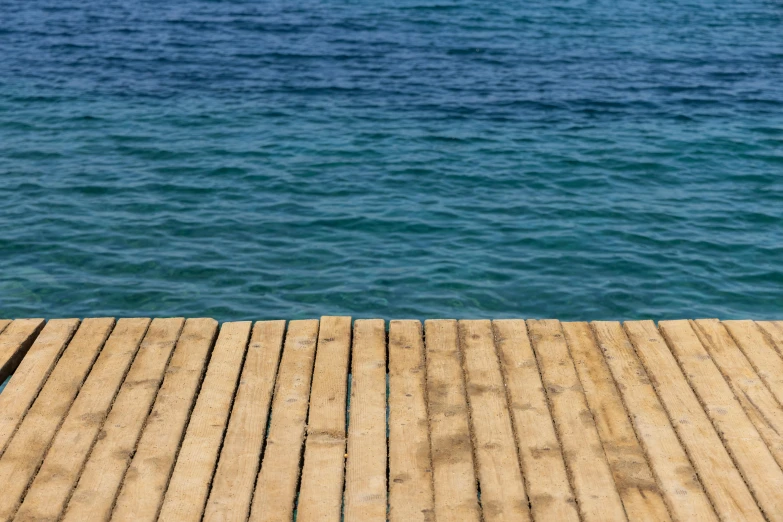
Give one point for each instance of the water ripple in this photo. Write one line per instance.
(583, 160)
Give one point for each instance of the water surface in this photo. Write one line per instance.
(575, 159)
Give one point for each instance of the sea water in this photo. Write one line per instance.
(264, 159)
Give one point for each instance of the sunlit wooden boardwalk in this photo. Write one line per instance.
(175, 419)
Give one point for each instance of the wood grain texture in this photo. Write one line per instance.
(454, 476)
(190, 481)
(501, 420)
(146, 480)
(585, 459)
(774, 332)
(721, 480)
(100, 480)
(541, 459)
(365, 473)
(321, 490)
(235, 478)
(25, 452)
(15, 340)
(502, 490)
(747, 448)
(410, 466)
(668, 460)
(30, 376)
(761, 354)
(632, 475)
(57, 477)
(278, 477)
(756, 398)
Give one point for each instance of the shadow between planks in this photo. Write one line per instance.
(333, 419)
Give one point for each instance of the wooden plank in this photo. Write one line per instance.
(321, 491)
(365, 473)
(189, 485)
(410, 465)
(26, 450)
(275, 492)
(49, 492)
(744, 444)
(30, 376)
(94, 495)
(235, 478)
(761, 354)
(503, 494)
(721, 480)
(15, 340)
(540, 457)
(754, 393)
(3, 324)
(145, 482)
(454, 476)
(586, 462)
(632, 475)
(674, 474)
(774, 331)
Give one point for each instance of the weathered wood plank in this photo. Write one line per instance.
(761, 354)
(15, 340)
(24, 454)
(632, 474)
(774, 331)
(365, 473)
(503, 494)
(709, 401)
(744, 444)
(594, 486)
(410, 465)
(100, 480)
(540, 457)
(721, 480)
(145, 482)
(46, 498)
(30, 376)
(190, 481)
(454, 476)
(670, 464)
(235, 478)
(756, 398)
(275, 492)
(321, 491)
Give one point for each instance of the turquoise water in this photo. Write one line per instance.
(576, 159)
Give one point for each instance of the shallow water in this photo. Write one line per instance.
(576, 159)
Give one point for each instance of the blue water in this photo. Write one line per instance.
(408, 158)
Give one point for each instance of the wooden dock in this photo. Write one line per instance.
(184, 420)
